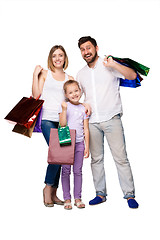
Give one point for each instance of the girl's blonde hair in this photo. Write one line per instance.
(69, 82)
(50, 63)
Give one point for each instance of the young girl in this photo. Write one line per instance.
(73, 113)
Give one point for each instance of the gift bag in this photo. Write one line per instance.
(64, 135)
(138, 67)
(25, 112)
(133, 64)
(58, 154)
(23, 130)
(37, 127)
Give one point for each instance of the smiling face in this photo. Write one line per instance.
(57, 51)
(58, 58)
(89, 52)
(73, 93)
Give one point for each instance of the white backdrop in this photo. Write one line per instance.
(124, 29)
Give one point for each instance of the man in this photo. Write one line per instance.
(100, 81)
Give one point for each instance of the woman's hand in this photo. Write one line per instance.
(37, 70)
(39, 76)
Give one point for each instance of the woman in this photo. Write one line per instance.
(49, 84)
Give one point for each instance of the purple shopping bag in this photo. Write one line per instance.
(37, 127)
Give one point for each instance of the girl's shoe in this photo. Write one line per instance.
(79, 204)
(67, 205)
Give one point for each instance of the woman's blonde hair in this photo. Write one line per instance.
(50, 63)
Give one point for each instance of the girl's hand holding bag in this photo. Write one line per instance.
(62, 146)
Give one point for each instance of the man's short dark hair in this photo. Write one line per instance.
(86, 39)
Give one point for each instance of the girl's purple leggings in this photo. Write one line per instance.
(77, 171)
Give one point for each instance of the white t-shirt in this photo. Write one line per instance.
(53, 96)
(100, 86)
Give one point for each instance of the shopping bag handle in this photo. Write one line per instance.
(36, 98)
(59, 126)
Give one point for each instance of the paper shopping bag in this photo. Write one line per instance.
(64, 135)
(23, 130)
(58, 154)
(25, 112)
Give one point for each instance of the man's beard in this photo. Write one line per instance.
(92, 59)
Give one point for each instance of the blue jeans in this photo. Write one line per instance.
(53, 171)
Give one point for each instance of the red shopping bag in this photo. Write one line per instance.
(25, 112)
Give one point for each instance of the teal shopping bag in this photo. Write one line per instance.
(64, 135)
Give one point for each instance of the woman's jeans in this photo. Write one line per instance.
(113, 131)
(53, 171)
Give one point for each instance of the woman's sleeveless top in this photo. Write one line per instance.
(53, 96)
